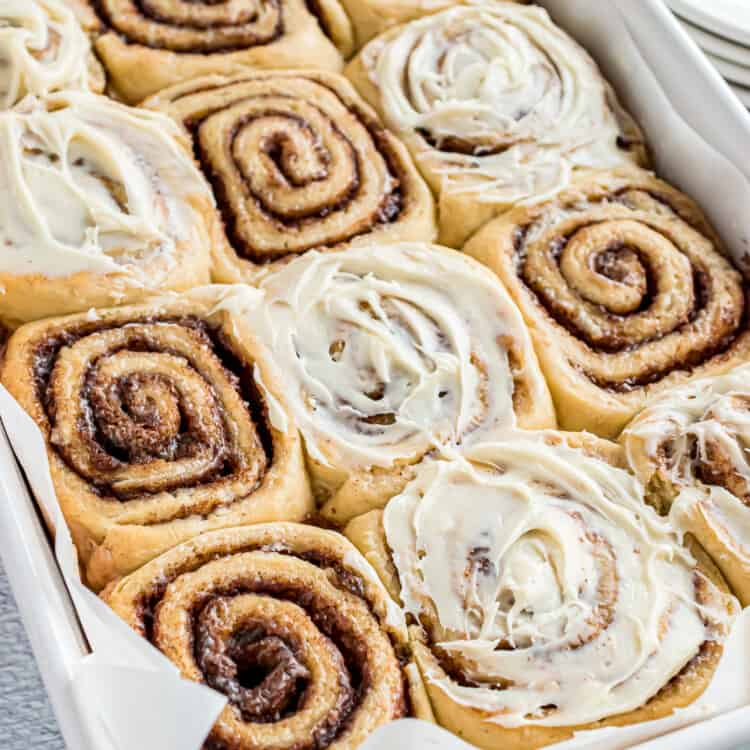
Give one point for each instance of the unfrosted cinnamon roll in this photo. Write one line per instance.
(627, 291)
(147, 45)
(390, 352)
(548, 597)
(690, 447)
(43, 49)
(162, 421)
(290, 623)
(297, 161)
(498, 106)
(100, 204)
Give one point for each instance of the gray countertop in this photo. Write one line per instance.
(26, 719)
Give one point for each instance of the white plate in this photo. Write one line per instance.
(730, 18)
(731, 71)
(717, 45)
(742, 93)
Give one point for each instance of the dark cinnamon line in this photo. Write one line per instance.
(236, 371)
(250, 41)
(391, 206)
(701, 298)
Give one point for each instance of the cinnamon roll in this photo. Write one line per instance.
(627, 291)
(548, 597)
(147, 45)
(297, 161)
(498, 106)
(43, 49)
(290, 623)
(690, 447)
(100, 205)
(390, 352)
(162, 421)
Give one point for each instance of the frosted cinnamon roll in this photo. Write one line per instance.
(498, 106)
(162, 421)
(390, 352)
(43, 49)
(100, 205)
(290, 623)
(297, 161)
(690, 447)
(147, 45)
(548, 597)
(627, 291)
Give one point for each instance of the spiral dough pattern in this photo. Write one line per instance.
(549, 595)
(297, 161)
(627, 288)
(155, 425)
(288, 621)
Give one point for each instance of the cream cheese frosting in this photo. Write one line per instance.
(91, 185)
(539, 573)
(42, 49)
(391, 350)
(498, 100)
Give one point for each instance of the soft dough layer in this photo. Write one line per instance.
(627, 291)
(392, 351)
(43, 49)
(549, 598)
(497, 104)
(162, 421)
(147, 45)
(100, 204)
(297, 161)
(690, 447)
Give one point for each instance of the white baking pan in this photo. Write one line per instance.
(697, 130)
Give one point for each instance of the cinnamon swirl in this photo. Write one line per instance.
(549, 598)
(100, 204)
(390, 352)
(43, 49)
(147, 45)
(690, 447)
(498, 106)
(290, 623)
(627, 291)
(162, 421)
(297, 161)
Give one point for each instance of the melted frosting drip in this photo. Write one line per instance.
(555, 595)
(42, 49)
(96, 187)
(504, 103)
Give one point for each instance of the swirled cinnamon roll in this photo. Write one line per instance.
(498, 106)
(162, 421)
(548, 597)
(297, 161)
(147, 45)
(390, 352)
(690, 447)
(100, 204)
(43, 49)
(290, 623)
(627, 291)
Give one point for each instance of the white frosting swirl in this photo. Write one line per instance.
(497, 100)
(539, 573)
(391, 350)
(42, 49)
(91, 185)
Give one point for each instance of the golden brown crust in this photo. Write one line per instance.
(297, 162)
(155, 428)
(296, 606)
(626, 289)
(147, 46)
